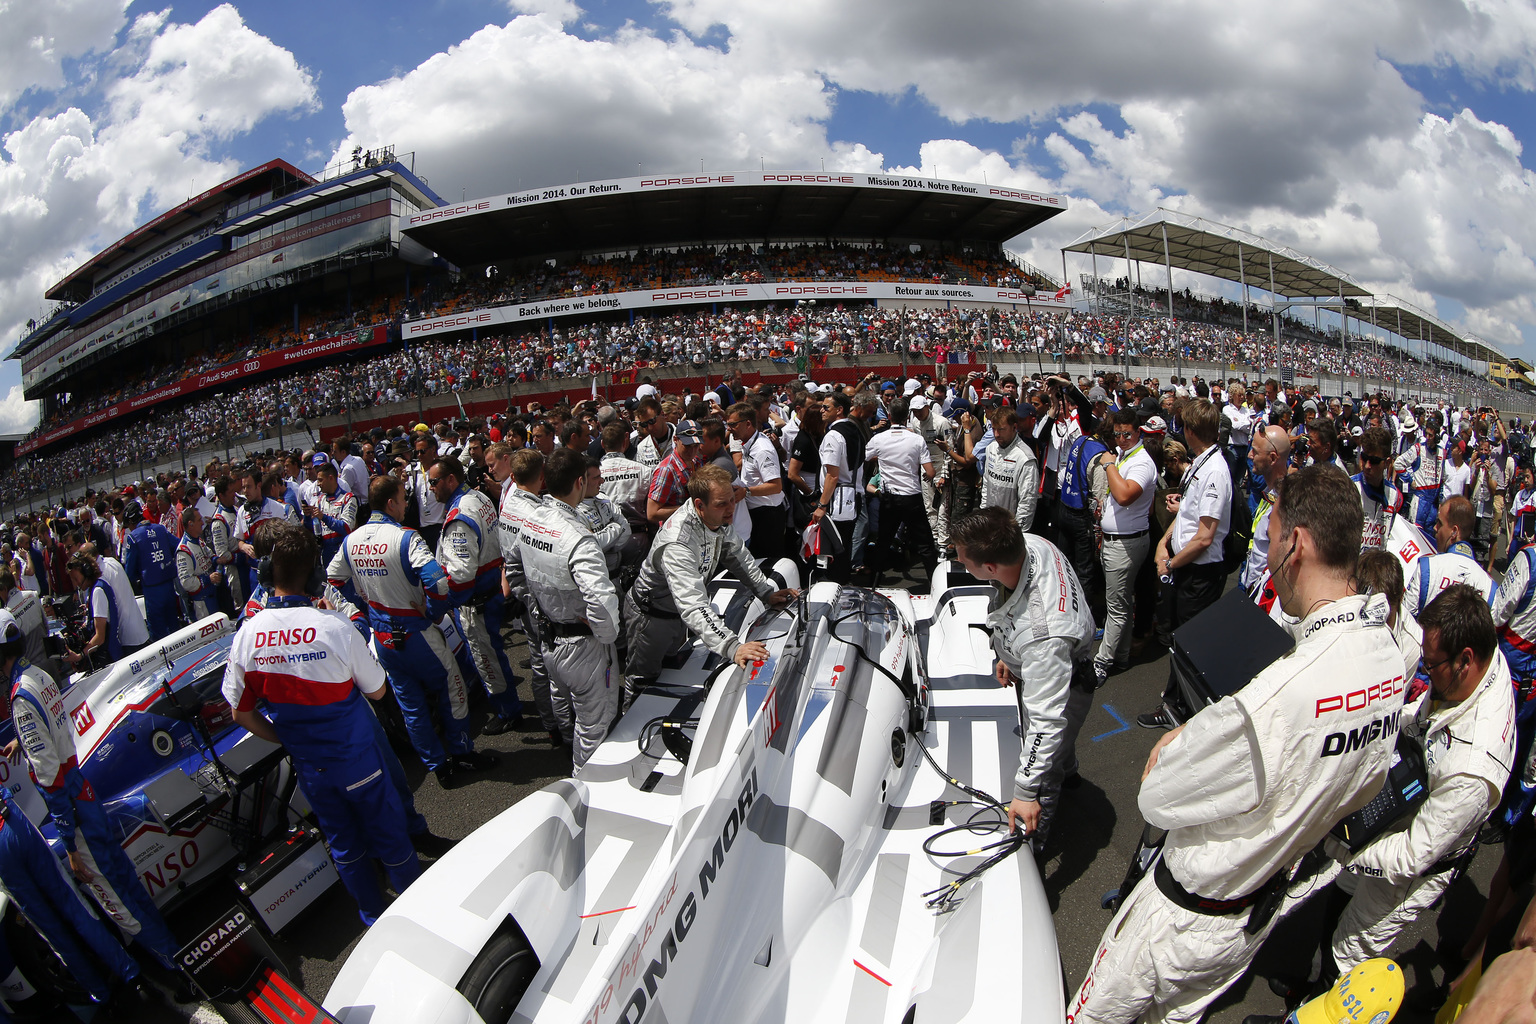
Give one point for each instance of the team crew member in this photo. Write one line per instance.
(103, 602)
(394, 571)
(334, 512)
(607, 523)
(842, 483)
(1466, 725)
(1042, 634)
(194, 566)
(1254, 781)
(1423, 462)
(653, 434)
(1454, 526)
(226, 550)
(936, 431)
(35, 880)
(257, 508)
(47, 735)
(27, 609)
(670, 598)
(1268, 457)
(1190, 551)
(906, 477)
(470, 552)
(149, 557)
(764, 480)
(297, 676)
(519, 505)
(578, 608)
(1514, 615)
(1011, 478)
(625, 481)
(1126, 529)
(1382, 501)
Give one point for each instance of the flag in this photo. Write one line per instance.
(278, 258)
(594, 387)
(1063, 292)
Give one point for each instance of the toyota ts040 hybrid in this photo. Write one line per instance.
(808, 839)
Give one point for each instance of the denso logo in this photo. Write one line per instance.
(282, 637)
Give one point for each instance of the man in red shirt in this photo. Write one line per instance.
(669, 484)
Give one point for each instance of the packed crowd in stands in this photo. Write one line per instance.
(695, 338)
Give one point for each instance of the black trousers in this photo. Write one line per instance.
(897, 510)
(768, 525)
(1194, 589)
(1081, 547)
(840, 568)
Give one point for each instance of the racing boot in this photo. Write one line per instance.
(495, 725)
(475, 761)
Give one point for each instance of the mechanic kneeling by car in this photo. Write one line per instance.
(309, 669)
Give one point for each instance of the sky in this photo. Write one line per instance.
(1385, 137)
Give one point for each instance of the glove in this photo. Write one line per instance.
(1337, 850)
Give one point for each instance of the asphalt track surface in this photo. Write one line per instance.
(1092, 841)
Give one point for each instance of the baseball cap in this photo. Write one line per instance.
(712, 396)
(1155, 425)
(319, 459)
(133, 511)
(645, 391)
(1372, 990)
(687, 432)
(10, 629)
(919, 402)
(911, 385)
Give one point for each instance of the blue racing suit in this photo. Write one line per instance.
(36, 881)
(392, 570)
(150, 561)
(312, 670)
(469, 550)
(46, 733)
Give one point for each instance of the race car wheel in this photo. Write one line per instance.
(39, 963)
(498, 977)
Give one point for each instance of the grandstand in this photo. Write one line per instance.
(281, 306)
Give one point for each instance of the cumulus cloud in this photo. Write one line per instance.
(70, 183)
(560, 10)
(17, 415)
(528, 104)
(36, 38)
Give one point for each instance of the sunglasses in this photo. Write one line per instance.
(643, 424)
(1372, 460)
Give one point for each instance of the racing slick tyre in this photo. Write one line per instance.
(500, 974)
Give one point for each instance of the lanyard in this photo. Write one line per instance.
(1194, 469)
(1122, 460)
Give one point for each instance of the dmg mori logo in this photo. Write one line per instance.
(252, 366)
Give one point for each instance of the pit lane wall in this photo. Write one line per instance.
(674, 379)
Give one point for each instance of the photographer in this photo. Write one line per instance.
(1251, 783)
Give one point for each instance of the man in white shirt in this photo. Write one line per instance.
(1190, 553)
(763, 478)
(935, 430)
(904, 464)
(1125, 526)
(354, 474)
(842, 469)
(1457, 476)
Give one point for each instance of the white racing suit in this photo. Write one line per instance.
(1246, 788)
(1381, 506)
(517, 508)
(1012, 481)
(1433, 573)
(1469, 748)
(578, 609)
(226, 555)
(469, 551)
(1514, 615)
(934, 429)
(45, 732)
(1043, 633)
(194, 566)
(609, 526)
(626, 482)
(392, 571)
(670, 598)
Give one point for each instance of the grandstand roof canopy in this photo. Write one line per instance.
(1219, 250)
(1388, 311)
(77, 284)
(650, 212)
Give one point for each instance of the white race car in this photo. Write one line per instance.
(760, 844)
